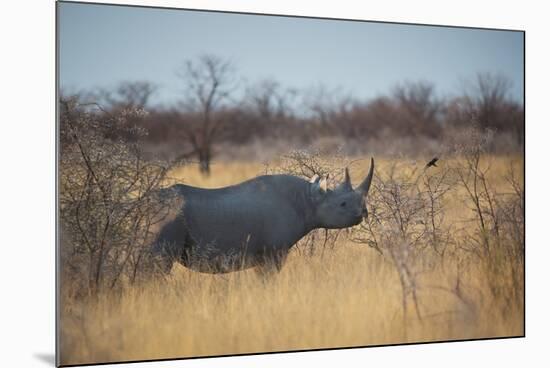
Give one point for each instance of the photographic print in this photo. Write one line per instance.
(233, 183)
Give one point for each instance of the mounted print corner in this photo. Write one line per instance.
(233, 183)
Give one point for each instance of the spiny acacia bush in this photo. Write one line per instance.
(498, 221)
(407, 224)
(108, 199)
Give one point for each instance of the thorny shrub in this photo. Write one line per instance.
(108, 199)
(408, 222)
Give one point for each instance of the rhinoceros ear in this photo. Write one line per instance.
(314, 179)
(323, 184)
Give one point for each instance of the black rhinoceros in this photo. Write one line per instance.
(254, 223)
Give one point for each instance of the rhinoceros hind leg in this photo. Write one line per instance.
(271, 265)
(164, 255)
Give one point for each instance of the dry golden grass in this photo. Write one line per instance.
(348, 296)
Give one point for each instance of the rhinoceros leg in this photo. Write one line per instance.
(271, 263)
(165, 254)
(169, 245)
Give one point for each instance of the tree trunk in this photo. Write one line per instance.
(204, 161)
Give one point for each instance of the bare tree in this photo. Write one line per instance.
(269, 100)
(411, 109)
(486, 100)
(127, 95)
(208, 83)
(328, 108)
(264, 111)
(489, 96)
(418, 107)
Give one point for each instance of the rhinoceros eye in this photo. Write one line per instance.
(343, 204)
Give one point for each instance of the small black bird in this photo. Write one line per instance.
(432, 162)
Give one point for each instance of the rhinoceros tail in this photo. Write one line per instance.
(169, 193)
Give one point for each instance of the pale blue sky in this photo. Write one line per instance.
(102, 45)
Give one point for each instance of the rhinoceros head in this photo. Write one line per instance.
(342, 207)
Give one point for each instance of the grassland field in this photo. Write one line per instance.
(349, 295)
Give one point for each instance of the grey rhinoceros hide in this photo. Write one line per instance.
(254, 223)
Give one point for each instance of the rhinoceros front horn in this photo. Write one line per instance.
(365, 185)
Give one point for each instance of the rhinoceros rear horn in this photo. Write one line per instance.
(365, 185)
